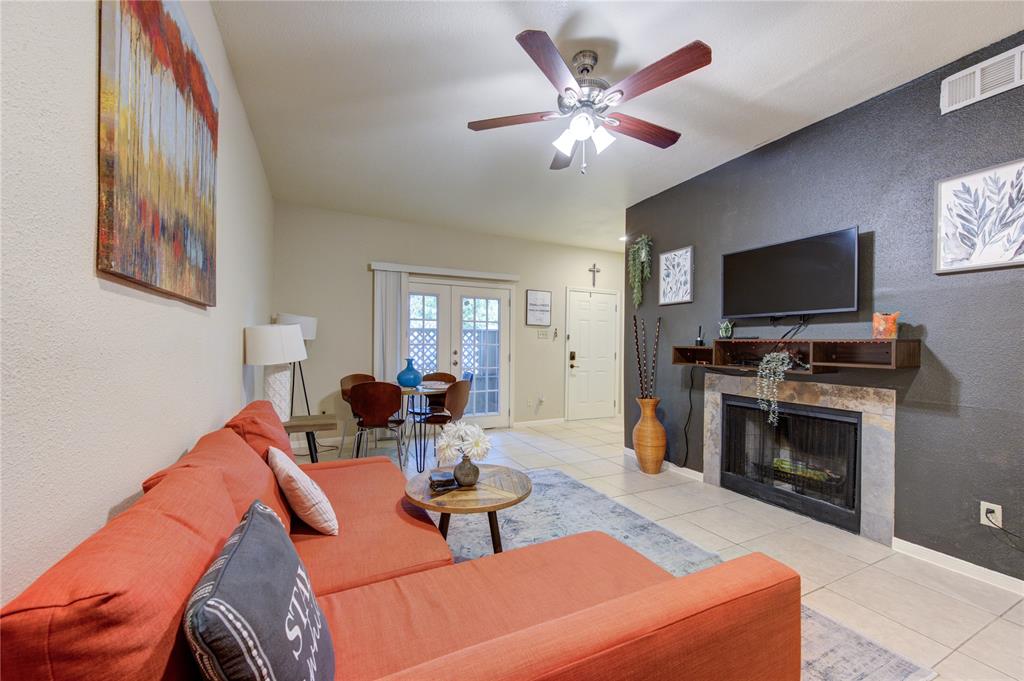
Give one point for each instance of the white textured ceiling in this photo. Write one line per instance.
(362, 106)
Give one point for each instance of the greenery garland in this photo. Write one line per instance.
(639, 265)
(770, 372)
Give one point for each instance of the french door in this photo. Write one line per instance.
(464, 331)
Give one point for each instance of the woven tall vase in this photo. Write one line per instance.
(649, 436)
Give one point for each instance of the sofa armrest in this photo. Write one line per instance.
(345, 463)
(733, 622)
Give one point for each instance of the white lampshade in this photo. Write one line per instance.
(269, 344)
(308, 324)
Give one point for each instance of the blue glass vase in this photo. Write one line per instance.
(409, 377)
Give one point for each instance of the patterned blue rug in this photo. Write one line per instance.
(560, 506)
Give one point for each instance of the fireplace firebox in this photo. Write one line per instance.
(808, 463)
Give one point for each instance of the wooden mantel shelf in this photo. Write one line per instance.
(820, 355)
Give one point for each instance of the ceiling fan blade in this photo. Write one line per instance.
(644, 131)
(544, 53)
(684, 60)
(561, 161)
(518, 119)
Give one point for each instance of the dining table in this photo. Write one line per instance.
(414, 395)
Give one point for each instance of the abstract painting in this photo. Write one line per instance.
(980, 220)
(676, 277)
(158, 152)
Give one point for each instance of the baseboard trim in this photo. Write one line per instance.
(949, 562)
(538, 422)
(629, 456)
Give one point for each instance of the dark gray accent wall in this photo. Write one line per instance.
(960, 417)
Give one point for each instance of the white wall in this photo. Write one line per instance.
(102, 383)
(321, 268)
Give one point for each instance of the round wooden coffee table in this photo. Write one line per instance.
(498, 487)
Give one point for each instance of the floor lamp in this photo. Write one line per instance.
(275, 347)
(308, 326)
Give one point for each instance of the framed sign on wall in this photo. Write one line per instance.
(538, 308)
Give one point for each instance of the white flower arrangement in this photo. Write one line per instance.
(461, 439)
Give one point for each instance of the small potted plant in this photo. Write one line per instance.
(465, 443)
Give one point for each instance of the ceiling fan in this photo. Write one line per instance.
(585, 99)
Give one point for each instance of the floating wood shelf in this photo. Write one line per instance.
(821, 356)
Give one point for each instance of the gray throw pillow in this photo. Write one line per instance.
(253, 616)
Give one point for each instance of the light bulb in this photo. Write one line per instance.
(582, 126)
(602, 139)
(565, 143)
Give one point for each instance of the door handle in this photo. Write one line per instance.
(572, 366)
(455, 362)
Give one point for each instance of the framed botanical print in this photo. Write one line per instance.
(979, 219)
(675, 276)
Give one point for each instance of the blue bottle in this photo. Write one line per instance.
(409, 377)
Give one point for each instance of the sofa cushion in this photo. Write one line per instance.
(112, 607)
(384, 536)
(259, 425)
(253, 616)
(247, 476)
(304, 496)
(437, 612)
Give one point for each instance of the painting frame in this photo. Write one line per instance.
(671, 292)
(538, 307)
(158, 131)
(1011, 173)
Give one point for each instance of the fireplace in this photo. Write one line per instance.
(808, 463)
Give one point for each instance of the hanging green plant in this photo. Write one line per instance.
(638, 263)
(770, 372)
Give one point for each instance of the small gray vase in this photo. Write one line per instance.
(466, 472)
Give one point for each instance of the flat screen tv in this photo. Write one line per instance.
(814, 275)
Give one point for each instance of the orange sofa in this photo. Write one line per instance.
(581, 607)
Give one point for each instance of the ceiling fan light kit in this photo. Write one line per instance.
(585, 99)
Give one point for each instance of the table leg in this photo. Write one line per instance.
(311, 445)
(492, 518)
(443, 524)
(420, 433)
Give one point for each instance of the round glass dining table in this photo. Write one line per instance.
(419, 394)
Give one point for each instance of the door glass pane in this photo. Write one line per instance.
(481, 350)
(423, 331)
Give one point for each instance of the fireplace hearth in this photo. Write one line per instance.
(808, 463)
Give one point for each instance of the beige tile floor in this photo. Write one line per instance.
(962, 628)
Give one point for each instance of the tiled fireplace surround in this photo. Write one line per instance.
(878, 437)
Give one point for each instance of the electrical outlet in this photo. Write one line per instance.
(991, 514)
(529, 403)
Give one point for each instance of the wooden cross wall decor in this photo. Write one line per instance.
(594, 269)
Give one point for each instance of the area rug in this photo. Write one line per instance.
(560, 506)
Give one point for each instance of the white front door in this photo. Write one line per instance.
(465, 331)
(591, 354)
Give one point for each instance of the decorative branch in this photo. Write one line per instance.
(645, 387)
(639, 365)
(654, 361)
(646, 373)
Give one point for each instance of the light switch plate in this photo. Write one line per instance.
(542, 334)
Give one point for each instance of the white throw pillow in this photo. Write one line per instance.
(304, 496)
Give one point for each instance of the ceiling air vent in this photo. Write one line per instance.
(983, 80)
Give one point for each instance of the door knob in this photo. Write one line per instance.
(572, 366)
(455, 362)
